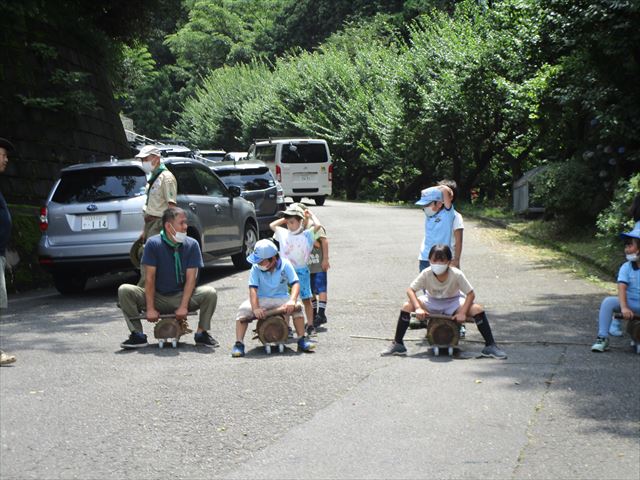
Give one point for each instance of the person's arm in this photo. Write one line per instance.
(187, 292)
(150, 293)
(324, 244)
(418, 306)
(627, 313)
(447, 196)
(276, 223)
(255, 303)
(458, 253)
(462, 313)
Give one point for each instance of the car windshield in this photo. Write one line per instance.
(247, 179)
(100, 184)
(304, 153)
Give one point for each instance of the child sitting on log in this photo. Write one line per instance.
(447, 292)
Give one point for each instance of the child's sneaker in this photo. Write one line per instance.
(463, 331)
(615, 330)
(601, 345)
(310, 330)
(237, 350)
(319, 319)
(493, 351)
(290, 334)
(136, 340)
(394, 349)
(305, 345)
(205, 340)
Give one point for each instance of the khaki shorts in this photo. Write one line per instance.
(245, 311)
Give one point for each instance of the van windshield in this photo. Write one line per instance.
(304, 153)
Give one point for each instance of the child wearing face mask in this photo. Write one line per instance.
(439, 219)
(628, 300)
(270, 278)
(296, 244)
(448, 292)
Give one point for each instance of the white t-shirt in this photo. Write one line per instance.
(457, 225)
(455, 283)
(295, 248)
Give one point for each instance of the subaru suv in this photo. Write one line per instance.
(93, 215)
(257, 185)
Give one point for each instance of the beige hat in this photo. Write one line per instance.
(148, 150)
(294, 211)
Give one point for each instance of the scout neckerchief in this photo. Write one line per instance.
(154, 176)
(176, 256)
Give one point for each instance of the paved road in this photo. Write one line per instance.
(75, 406)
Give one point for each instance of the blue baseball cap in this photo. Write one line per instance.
(428, 195)
(635, 233)
(264, 249)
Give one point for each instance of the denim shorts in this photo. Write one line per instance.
(319, 282)
(305, 282)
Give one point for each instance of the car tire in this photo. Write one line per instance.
(320, 201)
(69, 283)
(249, 239)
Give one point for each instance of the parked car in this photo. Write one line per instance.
(234, 156)
(93, 215)
(257, 185)
(212, 155)
(302, 165)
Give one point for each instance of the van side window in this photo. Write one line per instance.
(304, 153)
(265, 153)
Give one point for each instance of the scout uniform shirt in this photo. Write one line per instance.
(160, 192)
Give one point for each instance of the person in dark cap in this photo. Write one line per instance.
(6, 147)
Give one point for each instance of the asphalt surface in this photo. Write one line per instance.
(75, 406)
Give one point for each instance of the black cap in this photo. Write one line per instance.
(6, 144)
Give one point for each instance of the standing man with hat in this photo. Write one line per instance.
(6, 147)
(162, 190)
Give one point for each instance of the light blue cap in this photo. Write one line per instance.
(635, 233)
(264, 249)
(428, 195)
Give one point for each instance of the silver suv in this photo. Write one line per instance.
(94, 214)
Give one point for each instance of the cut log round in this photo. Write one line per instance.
(167, 328)
(273, 329)
(443, 331)
(633, 329)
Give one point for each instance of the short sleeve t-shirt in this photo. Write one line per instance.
(295, 248)
(163, 190)
(273, 284)
(316, 257)
(438, 229)
(160, 255)
(629, 274)
(455, 283)
(458, 224)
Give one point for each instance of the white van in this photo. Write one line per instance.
(301, 165)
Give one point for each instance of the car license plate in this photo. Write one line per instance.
(94, 222)
(305, 177)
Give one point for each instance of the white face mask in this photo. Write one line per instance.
(147, 167)
(180, 237)
(439, 268)
(632, 257)
(264, 268)
(429, 212)
(299, 230)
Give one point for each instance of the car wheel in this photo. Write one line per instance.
(248, 243)
(68, 283)
(319, 201)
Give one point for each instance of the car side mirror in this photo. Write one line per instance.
(234, 191)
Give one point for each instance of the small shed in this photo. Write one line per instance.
(522, 189)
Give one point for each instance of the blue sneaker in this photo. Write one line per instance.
(305, 345)
(615, 330)
(238, 350)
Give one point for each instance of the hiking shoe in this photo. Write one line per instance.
(615, 330)
(493, 351)
(310, 330)
(290, 334)
(319, 319)
(601, 345)
(237, 350)
(462, 332)
(6, 359)
(205, 340)
(394, 349)
(305, 345)
(136, 340)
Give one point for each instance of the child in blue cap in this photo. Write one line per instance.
(270, 278)
(628, 300)
(438, 223)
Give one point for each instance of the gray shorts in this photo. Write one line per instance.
(442, 306)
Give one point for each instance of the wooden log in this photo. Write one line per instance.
(443, 331)
(273, 329)
(271, 312)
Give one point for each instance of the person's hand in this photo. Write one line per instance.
(325, 264)
(181, 313)
(289, 307)
(152, 315)
(627, 313)
(459, 317)
(421, 313)
(259, 313)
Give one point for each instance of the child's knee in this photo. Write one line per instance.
(476, 309)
